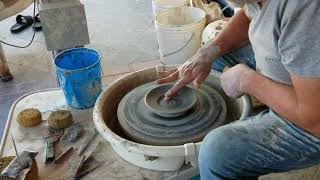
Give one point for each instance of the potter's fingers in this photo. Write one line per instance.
(197, 82)
(178, 86)
(169, 79)
(164, 74)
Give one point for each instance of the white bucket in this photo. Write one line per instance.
(162, 5)
(179, 32)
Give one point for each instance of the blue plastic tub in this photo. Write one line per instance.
(79, 74)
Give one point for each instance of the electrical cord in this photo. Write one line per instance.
(34, 32)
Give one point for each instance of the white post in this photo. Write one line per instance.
(4, 68)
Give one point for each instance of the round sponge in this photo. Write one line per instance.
(60, 119)
(29, 117)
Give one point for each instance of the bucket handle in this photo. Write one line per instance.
(174, 52)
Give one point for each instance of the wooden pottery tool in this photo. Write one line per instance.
(88, 166)
(77, 162)
(87, 141)
(64, 155)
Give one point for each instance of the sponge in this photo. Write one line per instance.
(60, 119)
(29, 117)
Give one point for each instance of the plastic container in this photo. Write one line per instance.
(162, 5)
(79, 74)
(179, 33)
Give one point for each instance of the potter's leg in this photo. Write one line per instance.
(256, 146)
(4, 68)
(243, 55)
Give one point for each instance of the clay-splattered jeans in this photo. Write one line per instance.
(258, 145)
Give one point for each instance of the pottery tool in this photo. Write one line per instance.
(65, 154)
(89, 163)
(49, 152)
(87, 141)
(76, 165)
(53, 136)
(29, 117)
(92, 151)
(16, 166)
(88, 166)
(16, 151)
(29, 173)
(72, 134)
(60, 119)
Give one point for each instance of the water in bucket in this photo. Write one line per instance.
(79, 74)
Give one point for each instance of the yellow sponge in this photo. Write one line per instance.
(29, 117)
(60, 119)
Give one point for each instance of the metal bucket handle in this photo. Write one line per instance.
(174, 52)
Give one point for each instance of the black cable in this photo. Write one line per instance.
(34, 32)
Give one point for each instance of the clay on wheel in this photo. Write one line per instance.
(176, 106)
(142, 125)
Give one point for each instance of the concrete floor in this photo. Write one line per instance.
(122, 31)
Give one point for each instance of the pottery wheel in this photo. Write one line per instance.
(141, 124)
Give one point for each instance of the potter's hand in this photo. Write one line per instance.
(195, 69)
(233, 81)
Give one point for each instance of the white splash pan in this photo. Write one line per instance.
(160, 158)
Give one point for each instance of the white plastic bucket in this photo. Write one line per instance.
(179, 32)
(162, 5)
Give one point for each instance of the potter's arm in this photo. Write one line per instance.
(234, 35)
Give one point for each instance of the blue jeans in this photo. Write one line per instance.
(255, 146)
(243, 55)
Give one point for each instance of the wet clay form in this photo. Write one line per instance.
(176, 106)
(29, 117)
(146, 118)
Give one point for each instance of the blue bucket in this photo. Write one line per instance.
(79, 74)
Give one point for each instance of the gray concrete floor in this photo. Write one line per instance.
(122, 31)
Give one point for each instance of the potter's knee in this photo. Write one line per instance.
(214, 148)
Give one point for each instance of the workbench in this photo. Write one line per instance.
(112, 168)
